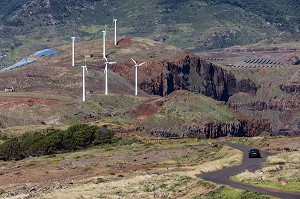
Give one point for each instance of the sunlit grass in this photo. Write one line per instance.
(174, 182)
(282, 173)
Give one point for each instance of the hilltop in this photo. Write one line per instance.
(51, 91)
(27, 26)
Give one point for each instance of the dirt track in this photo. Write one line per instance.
(222, 176)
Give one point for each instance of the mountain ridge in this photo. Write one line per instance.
(28, 25)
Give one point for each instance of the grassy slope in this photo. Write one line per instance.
(114, 110)
(191, 25)
(174, 176)
(184, 108)
(54, 74)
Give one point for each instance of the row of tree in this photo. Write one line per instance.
(56, 141)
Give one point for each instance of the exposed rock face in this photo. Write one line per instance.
(286, 132)
(161, 77)
(240, 128)
(293, 85)
(197, 75)
(274, 104)
(288, 122)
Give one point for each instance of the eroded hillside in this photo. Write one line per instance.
(167, 70)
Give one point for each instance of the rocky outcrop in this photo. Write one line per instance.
(189, 72)
(240, 128)
(200, 76)
(287, 111)
(292, 85)
(194, 74)
(286, 132)
(292, 104)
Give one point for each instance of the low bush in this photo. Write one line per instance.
(56, 141)
(3, 136)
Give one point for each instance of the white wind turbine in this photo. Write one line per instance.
(84, 69)
(136, 74)
(105, 71)
(115, 21)
(104, 35)
(73, 51)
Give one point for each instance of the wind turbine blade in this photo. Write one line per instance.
(105, 59)
(112, 62)
(142, 63)
(134, 61)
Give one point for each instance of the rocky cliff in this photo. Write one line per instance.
(286, 112)
(241, 128)
(292, 104)
(197, 75)
(212, 130)
(188, 73)
(292, 85)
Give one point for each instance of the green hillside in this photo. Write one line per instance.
(182, 110)
(194, 25)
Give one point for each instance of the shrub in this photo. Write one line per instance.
(56, 141)
(10, 149)
(3, 136)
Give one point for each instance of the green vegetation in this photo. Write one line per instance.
(192, 25)
(56, 141)
(147, 169)
(283, 173)
(282, 13)
(3, 136)
(183, 107)
(230, 193)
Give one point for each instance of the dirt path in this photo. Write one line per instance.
(222, 176)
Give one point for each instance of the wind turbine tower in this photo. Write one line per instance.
(136, 74)
(106, 71)
(104, 35)
(115, 21)
(73, 51)
(84, 69)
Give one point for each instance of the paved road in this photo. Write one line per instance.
(251, 164)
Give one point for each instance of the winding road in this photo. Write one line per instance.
(251, 164)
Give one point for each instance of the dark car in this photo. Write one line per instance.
(254, 153)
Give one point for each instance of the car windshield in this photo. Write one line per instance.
(254, 150)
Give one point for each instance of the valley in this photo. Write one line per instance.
(49, 97)
(218, 78)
